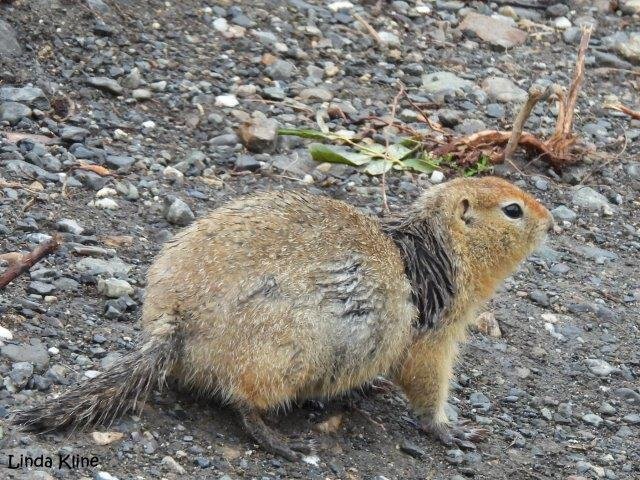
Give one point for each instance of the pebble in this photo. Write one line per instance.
(564, 213)
(443, 81)
(436, 177)
(412, 449)
(13, 112)
(36, 354)
(227, 101)
(592, 419)
(171, 464)
(106, 204)
(497, 32)
(74, 134)
(503, 90)
(600, 367)
(589, 199)
(179, 213)
(8, 40)
(141, 94)
(105, 438)
(562, 23)
(105, 84)
(114, 287)
(5, 334)
(260, 134)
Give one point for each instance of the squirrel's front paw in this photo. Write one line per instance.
(460, 434)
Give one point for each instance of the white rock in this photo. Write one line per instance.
(91, 374)
(105, 438)
(106, 192)
(114, 287)
(173, 465)
(389, 39)
(311, 460)
(340, 5)
(5, 334)
(106, 204)
(53, 351)
(119, 134)
(562, 23)
(229, 101)
(600, 367)
(307, 179)
(436, 176)
(220, 25)
(173, 174)
(149, 124)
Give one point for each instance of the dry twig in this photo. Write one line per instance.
(29, 260)
(635, 114)
(372, 31)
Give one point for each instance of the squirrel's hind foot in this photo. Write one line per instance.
(268, 439)
(461, 434)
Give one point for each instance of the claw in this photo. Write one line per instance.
(461, 434)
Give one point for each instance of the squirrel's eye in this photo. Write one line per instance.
(513, 210)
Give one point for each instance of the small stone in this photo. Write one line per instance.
(41, 288)
(281, 70)
(228, 101)
(36, 354)
(104, 475)
(74, 134)
(13, 112)
(5, 334)
(487, 324)
(632, 418)
(179, 213)
(503, 90)
(260, 134)
(557, 10)
(133, 80)
(171, 464)
(106, 204)
(8, 40)
(495, 110)
(412, 449)
(589, 199)
(444, 81)
(114, 287)
(105, 84)
(495, 31)
(564, 213)
(316, 93)
(32, 96)
(141, 94)
(630, 6)
(592, 419)
(20, 374)
(540, 297)
(455, 456)
(247, 162)
(562, 23)
(600, 367)
(389, 39)
(436, 177)
(105, 438)
(220, 25)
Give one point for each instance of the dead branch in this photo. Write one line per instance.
(29, 260)
(635, 114)
(536, 93)
(372, 31)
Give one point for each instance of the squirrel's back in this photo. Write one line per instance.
(281, 295)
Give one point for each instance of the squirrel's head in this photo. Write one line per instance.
(493, 226)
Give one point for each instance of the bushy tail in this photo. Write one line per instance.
(113, 393)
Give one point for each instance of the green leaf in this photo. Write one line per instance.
(378, 167)
(397, 152)
(333, 154)
(419, 165)
(305, 133)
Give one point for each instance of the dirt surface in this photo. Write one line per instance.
(558, 389)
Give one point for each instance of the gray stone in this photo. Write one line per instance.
(43, 274)
(20, 374)
(594, 253)
(449, 118)
(41, 288)
(412, 449)
(540, 297)
(628, 395)
(630, 6)
(633, 170)
(589, 199)
(110, 360)
(66, 284)
(8, 41)
(444, 81)
(632, 418)
(13, 112)
(592, 419)
(32, 96)
(320, 94)
(480, 401)
(99, 266)
(70, 226)
(630, 49)
(281, 70)
(179, 213)
(600, 367)
(226, 139)
(29, 171)
(274, 93)
(119, 161)
(496, 31)
(105, 84)
(114, 287)
(36, 354)
(495, 110)
(564, 213)
(73, 134)
(503, 90)
(557, 10)
(247, 162)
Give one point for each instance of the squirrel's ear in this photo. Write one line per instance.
(462, 210)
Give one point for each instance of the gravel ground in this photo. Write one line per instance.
(155, 92)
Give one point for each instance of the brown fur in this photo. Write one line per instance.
(284, 296)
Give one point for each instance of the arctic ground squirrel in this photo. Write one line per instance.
(285, 296)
